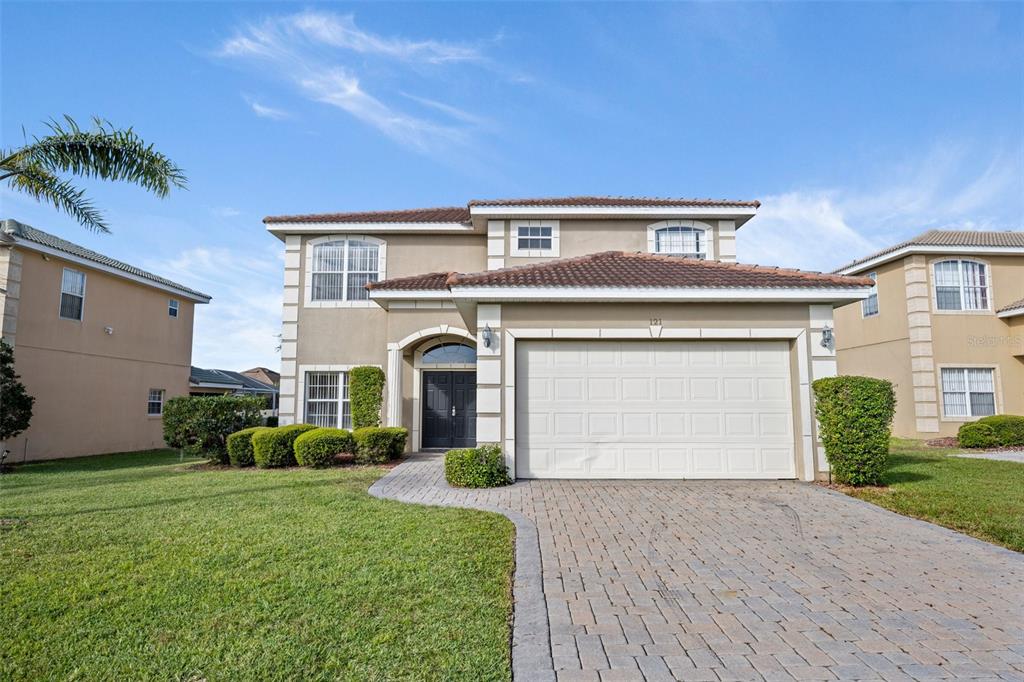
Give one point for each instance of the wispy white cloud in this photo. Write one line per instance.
(225, 212)
(313, 50)
(264, 111)
(237, 330)
(953, 186)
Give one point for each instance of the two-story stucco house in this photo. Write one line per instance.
(945, 323)
(592, 337)
(100, 344)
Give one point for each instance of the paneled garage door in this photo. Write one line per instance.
(654, 409)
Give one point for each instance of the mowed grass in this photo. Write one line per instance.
(983, 498)
(139, 566)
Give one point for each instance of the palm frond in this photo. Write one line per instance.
(41, 184)
(103, 152)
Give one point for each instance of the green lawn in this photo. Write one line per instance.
(983, 498)
(142, 567)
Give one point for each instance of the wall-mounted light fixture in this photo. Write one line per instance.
(109, 330)
(488, 336)
(828, 339)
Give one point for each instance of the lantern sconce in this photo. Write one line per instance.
(488, 336)
(828, 339)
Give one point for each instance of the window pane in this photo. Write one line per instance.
(947, 273)
(73, 282)
(947, 298)
(983, 404)
(975, 286)
(362, 257)
(71, 306)
(328, 287)
(953, 380)
(980, 380)
(357, 286)
(329, 257)
(870, 305)
(450, 353)
(679, 240)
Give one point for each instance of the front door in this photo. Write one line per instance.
(449, 409)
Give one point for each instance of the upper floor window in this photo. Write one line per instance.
(72, 294)
(534, 238)
(961, 285)
(172, 307)
(687, 238)
(342, 268)
(869, 306)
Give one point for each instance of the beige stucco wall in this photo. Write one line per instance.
(91, 387)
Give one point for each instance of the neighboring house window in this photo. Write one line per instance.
(961, 285)
(172, 307)
(155, 404)
(869, 306)
(450, 353)
(968, 391)
(72, 294)
(341, 269)
(535, 237)
(327, 401)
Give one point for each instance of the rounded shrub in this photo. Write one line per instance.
(376, 445)
(276, 447)
(479, 467)
(977, 435)
(1008, 428)
(855, 414)
(318, 447)
(240, 446)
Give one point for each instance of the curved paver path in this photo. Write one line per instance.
(739, 580)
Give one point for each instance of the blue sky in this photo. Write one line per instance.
(856, 125)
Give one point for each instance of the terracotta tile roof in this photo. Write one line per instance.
(434, 281)
(964, 238)
(444, 214)
(621, 269)
(590, 201)
(1016, 305)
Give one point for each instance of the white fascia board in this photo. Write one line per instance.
(410, 294)
(1012, 312)
(634, 294)
(372, 228)
(210, 384)
(624, 211)
(917, 249)
(116, 272)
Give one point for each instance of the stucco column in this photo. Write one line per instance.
(394, 385)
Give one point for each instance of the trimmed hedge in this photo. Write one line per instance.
(318, 447)
(977, 435)
(1008, 428)
(276, 447)
(855, 414)
(479, 467)
(378, 445)
(201, 424)
(366, 394)
(240, 446)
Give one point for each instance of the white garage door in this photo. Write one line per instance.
(654, 409)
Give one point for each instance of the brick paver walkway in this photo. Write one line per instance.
(741, 580)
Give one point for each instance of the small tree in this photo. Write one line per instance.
(201, 425)
(15, 402)
(855, 414)
(366, 393)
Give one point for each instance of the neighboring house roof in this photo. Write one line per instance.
(942, 241)
(264, 374)
(1013, 310)
(462, 214)
(434, 281)
(225, 378)
(38, 240)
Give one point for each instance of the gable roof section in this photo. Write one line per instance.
(434, 281)
(619, 269)
(939, 241)
(616, 202)
(1013, 310)
(44, 241)
(444, 214)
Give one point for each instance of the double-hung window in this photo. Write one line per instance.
(961, 285)
(172, 307)
(968, 391)
(535, 237)
(155, 402)
(72, 294)
(869, 306)
(340, 270)
(680, 241)
(327, 402)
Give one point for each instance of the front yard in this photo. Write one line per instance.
(143, 567)
(980, 497)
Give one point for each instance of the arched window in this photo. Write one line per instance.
(961, 285)
(680, 241)
(341, 269)
(450, 354)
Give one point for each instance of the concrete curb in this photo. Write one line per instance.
(531, 634)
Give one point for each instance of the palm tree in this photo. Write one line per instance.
(103, 152)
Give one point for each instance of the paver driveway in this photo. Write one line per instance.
(741, 580)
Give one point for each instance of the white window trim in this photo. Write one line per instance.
(60, 298)
(300, 384)
(996, 387)
(873, 292)
(163, 400)
(514, 249)
(175, 305)
(710, 253)
(312, 243)
(935, 292)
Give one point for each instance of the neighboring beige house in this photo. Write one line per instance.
(594, 337)
(263, 375)
(945, 324)
(100, 344)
